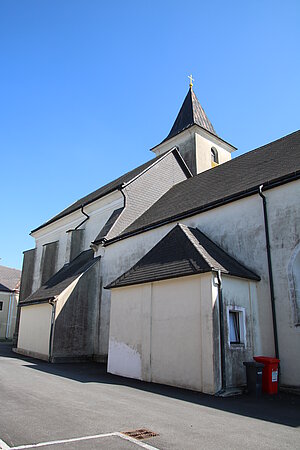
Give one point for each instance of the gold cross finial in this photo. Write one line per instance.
(191, 80)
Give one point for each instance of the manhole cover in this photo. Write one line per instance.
(143, 433)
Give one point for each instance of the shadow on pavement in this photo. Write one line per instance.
(282, 408)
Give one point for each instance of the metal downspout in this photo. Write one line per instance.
(271, 283)
(222, 342)
(9, 314)
(81, 223)
(53, 304)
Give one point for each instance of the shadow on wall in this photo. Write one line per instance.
(282, 409)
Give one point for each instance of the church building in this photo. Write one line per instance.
(178, 271)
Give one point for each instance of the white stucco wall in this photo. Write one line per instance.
(202, 141)
(182, 333)
(240, 295)
(203, 151)
(140, 194)
(34, 331)
(238, 227)
(8, 314)
(99, 212)
(163, 332)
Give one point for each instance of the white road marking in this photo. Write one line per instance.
(4, 446)
(135, 441)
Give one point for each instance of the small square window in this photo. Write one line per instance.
(1, 306)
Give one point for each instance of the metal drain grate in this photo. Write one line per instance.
(143, 433)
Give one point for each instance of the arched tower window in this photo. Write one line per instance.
(214, 157)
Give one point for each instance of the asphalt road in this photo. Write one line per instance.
(41, 402)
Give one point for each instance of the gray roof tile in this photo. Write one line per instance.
(108, 225)
(191, 113)
(63, 278)
(225, 182)
(9, 279)
(183, 251)
(112, 186)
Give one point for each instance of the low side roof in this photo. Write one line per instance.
(225, 182)
(9, 279)
(108, 225)
(183, 251)
(113, 186)
(62, 279)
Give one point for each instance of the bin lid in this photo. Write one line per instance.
(253, 364)
(266, 359)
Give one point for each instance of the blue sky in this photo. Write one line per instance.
(88, 87)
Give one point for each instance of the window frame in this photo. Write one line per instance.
(214, 157)
(241, 311)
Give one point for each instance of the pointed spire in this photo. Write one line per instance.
(191, 113)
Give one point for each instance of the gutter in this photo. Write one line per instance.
(220, 202)
(271, 282)
(81, 223)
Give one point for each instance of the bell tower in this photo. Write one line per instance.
(195, 137)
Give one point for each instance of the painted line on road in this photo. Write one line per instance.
(135, 441)
(4, 446)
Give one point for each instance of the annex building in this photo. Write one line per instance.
(9, 297)
(177, 271)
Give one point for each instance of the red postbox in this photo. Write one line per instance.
(270, 373)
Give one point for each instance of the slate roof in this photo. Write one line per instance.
(191, 113)
(112, 186)
(108, 225)
(234, 179)
(9, 279)
(62, 279)
(183, 251)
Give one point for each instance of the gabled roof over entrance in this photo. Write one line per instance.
(183, 251)
(62, 279)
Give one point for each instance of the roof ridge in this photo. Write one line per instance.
(200, 249)
(269, 143)
(114, 185)
(181, 253)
